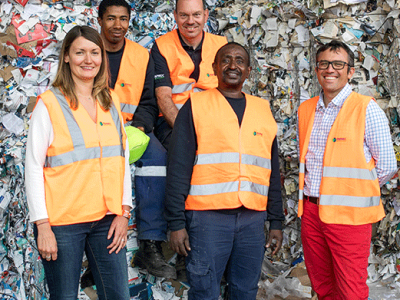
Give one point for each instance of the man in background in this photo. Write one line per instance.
(132, 77)
(183, 63)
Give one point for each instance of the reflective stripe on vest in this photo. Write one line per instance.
(215, 188)
(344, 200)
(248, 186)
(256, 161)
(301, 171)
(353, 173)
(217, 158)
(232, 157)
(227, 187)
(153, 171)
(186, 87)
(128, 108)
(178, 106)
(302, 168)
(80, 152)
(181, 88)
(351, 201)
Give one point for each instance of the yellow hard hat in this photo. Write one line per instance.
(138, 142)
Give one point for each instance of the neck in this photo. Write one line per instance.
(195, 42)
(231, 93)
(110, 47)
(84, 89)
(328, 97)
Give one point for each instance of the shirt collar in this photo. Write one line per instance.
(338, 100)
(187, 47)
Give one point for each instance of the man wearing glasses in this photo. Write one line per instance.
(346, 154)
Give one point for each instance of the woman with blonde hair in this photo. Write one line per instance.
(77, 173)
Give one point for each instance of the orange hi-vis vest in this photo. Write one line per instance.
(181, 66)
(85, 163)
(233, 164)
(349, 191)
(131, 78)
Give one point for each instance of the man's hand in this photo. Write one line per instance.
(179, 242)
(275, 234)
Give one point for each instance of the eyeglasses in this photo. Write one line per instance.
(336, 64)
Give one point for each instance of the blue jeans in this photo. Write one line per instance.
(110, 271)
(218, 241)
(150, 182)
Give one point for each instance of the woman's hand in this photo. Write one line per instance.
(118, 228)
(46, 241)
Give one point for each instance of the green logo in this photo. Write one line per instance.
(122, 84)
(101, 123)
(334, 140)
(254, 133)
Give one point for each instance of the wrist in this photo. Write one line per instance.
(126, 213)
(42, 222)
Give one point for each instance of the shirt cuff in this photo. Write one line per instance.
(275, 225)
(176, 225)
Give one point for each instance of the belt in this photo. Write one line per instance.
(314, 200)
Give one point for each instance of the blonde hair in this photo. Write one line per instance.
(64, 80)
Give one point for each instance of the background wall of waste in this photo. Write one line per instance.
(281, 35)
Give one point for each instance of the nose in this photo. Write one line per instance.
(330, 68)
(190, 19)
(117, 23)
(232, 64)
(88, 58)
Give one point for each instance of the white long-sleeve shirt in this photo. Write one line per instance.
(40, 137)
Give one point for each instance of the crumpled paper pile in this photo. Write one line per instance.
(282, 37)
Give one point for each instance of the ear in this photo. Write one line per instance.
(175, 15)
(206, 13)
(66, 58)
(214, 68)
(351, 72)
(100, 21)
(248, 71)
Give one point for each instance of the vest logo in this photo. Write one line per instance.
(339, 140)
(104, 124)
(210, 75)
(125, 84)
(159, 76)
(255, 133)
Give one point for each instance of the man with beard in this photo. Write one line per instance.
(223, 182)
(132, 77)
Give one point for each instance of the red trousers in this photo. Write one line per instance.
(336, 256)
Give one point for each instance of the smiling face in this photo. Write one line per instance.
(232, 67)
(114, 25)
(84, 59)
(190, 16)
(333, 81)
